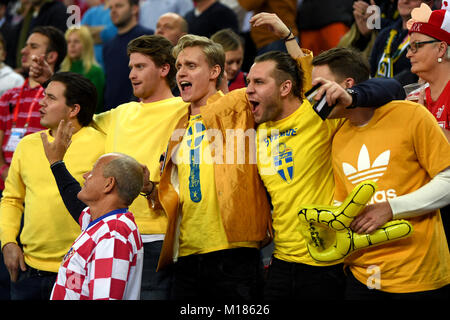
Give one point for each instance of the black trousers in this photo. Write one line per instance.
(295, 281)
(232, 274)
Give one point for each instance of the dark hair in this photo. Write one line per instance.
(286, 68)
(344, 63)
(159, 49)
(56, 42)
(79, 90)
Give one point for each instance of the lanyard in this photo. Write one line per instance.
(30, 110)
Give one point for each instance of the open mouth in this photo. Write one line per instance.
(254, 104)
(184, 85)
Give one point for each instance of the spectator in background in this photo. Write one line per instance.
(42, 13)
(361, 36)
(388, 57)
(80, 59)
(210, 16)
(429, 53)
(124, 15)
(234, 56)
(285, 9)
(6, 30)
(19, 114)
(322, 24)
(171, 26)
(8, 77)
(151, 10)
(98, 20)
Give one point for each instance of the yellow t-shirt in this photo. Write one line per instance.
(48, 230)
(142, 130)
(294, 161)
(201, 228)
(401, 149)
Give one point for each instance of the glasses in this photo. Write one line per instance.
(413, 47)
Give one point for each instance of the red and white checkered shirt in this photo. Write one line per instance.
(105, 261)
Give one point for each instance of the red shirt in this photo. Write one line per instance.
(8, 103)
(441, 107)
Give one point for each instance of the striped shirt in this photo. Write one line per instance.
(8, 102)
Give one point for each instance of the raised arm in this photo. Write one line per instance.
(67, 185)
(275, 25)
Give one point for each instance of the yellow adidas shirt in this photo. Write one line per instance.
(401, 149)
(294, 161)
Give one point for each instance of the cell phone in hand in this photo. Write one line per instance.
(321, 107)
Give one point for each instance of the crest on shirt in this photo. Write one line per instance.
(68, 255)
(284, 164)
(195, 135)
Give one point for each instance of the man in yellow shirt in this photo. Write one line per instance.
(217, 207)
(294, 161)
(48, 229)
(141, 130)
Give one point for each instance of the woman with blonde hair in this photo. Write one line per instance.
(80, 59)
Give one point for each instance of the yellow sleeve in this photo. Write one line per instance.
(11, 207)
(103, 120)
(305, 63)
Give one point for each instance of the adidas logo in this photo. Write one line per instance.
(367, 170)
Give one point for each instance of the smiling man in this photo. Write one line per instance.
(48, 229)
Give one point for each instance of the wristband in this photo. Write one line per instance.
(287, 38)
(147, 194)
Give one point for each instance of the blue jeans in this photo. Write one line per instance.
(155, 285)
(232, 274)
(31, 285)
(296, 281)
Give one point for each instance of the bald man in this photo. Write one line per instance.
(172, 26)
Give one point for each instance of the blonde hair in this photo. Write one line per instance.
(213, 51)
(87, 55)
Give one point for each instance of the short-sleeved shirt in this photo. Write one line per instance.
(401, 149)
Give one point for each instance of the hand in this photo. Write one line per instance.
(56, 150)
(372, 217)
(40, 70)
(13, 258)
(335, 93)
(361, 16)
(147, 185)
(272, 22)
